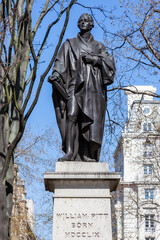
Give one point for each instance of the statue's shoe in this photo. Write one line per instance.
(66, 157)
(87, 159)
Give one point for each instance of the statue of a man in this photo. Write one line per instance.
(81, 72)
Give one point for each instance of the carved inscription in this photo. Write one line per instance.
(82, 225)
(82, 234)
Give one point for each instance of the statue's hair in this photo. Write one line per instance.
(90, 18)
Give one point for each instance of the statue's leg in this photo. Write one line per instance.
(93, 151)
(91, 155)
(72, 113)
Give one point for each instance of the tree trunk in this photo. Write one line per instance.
(5, 185)
(4, 219)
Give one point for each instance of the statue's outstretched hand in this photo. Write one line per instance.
(57, 82)
(52, 79)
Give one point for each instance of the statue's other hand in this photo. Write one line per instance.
(91, 59)
(87, 58)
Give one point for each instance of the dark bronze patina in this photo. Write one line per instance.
(82, 70)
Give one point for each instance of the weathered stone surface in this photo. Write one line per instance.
(81, 200)
(81, 167)
(82, 218)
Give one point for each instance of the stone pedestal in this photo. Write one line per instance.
(82, 206)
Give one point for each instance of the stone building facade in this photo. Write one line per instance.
(23, 211)
(137, 157)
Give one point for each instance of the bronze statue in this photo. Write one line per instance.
(81, 72)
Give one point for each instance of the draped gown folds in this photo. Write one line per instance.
(88, 82)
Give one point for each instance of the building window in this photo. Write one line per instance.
(147, 111)
(149, 193)
(150, 238)
(147, 169)
(148, 154)
(147, 127)
(133, 115)
(130, 128)
(149, 222)
(148, 150)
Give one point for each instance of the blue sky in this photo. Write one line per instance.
(43, 116)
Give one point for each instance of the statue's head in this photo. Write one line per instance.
(85, 22)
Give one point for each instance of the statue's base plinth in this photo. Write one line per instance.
(82, 208)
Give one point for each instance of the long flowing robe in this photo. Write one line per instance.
(88, 81)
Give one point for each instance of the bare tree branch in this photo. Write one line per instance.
(51, 62)
(48, 30)
(43, 14)
(145, 37)
(140, 50)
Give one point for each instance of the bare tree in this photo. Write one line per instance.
(136, 41)
(31, 159)
(18, 75)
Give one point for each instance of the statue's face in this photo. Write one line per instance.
(84, 23)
